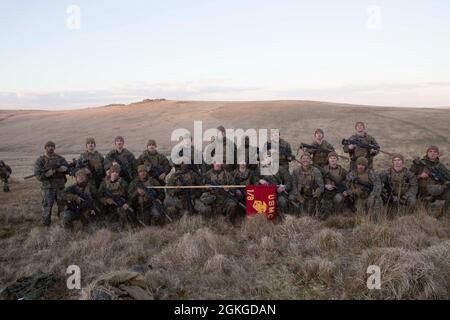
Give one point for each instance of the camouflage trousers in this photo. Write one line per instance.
(368, 205)
(86, 218)
(177, 207)
(438, 203)
(49, 198)
(5, 184)
(226, 207)
(149, 215)
(331, 205)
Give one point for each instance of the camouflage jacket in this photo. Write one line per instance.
(320, 158)
(184, 178)
(5, 171)
(334, 176)
(70, 193)
(139, 201)
(227, 145)
(285, 151)
(156, 160)
(248, 177)
(126, 157)
(220, 177)
(420, 165)
(117, 188)
(96, 162)
(403, 183)
(368, 177)
(306, 181)
(282, 177)
(361, 152)
(43, 164)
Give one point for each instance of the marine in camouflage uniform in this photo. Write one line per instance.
(319, 156)
(434, 193)
(157, 164)
(189, 160)
(251, 155)
(5, 173)
(144, 206)
(362, 197)
(355, 152)
(307, 185)
(285, 155)
(181, 201)
(282, 179)
(334, 176)
(51, 169)
(118, 188)
(216, 199)
(95, 162)
(244, 176)
(399, 185)
(128, 172)
(228, 146)
(77, 209)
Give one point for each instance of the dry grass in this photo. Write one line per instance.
(300, 258)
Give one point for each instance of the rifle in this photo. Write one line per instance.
(59, 163)
(292, 202)
(123, 168)
(341, 188)
(316, 149)
(435, 173)
(187, 192)
(151, 194)
(155, 170)
(86, 201)
(367, 187)
(228, 194)
(119, 201)
(362, 145)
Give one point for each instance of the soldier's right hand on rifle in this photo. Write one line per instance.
(351, 146)
(77, 199)
(140, 191)
(49, 173)
(110, 201)
(424, 175)
(62, 169)
(330, 187)
(125, 206)
(281, 188)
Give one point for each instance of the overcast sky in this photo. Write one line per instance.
(54, 55)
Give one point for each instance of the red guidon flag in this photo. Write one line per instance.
(261, 200)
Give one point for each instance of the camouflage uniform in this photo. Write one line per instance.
(5, 172)
(245, 178)
(218, 202)
(119, 187)
(128, 160)
(285, 152)
(96, 166)
(362, 198)
(143, 205)
(320, 158)
(282, 177)
(333, 200)
(400, 187)
(211, 149)
(157, 163)
(361, 152)
(72, 213)
(431, 190)
(52, 185)
(307, 187)
(178, 201)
